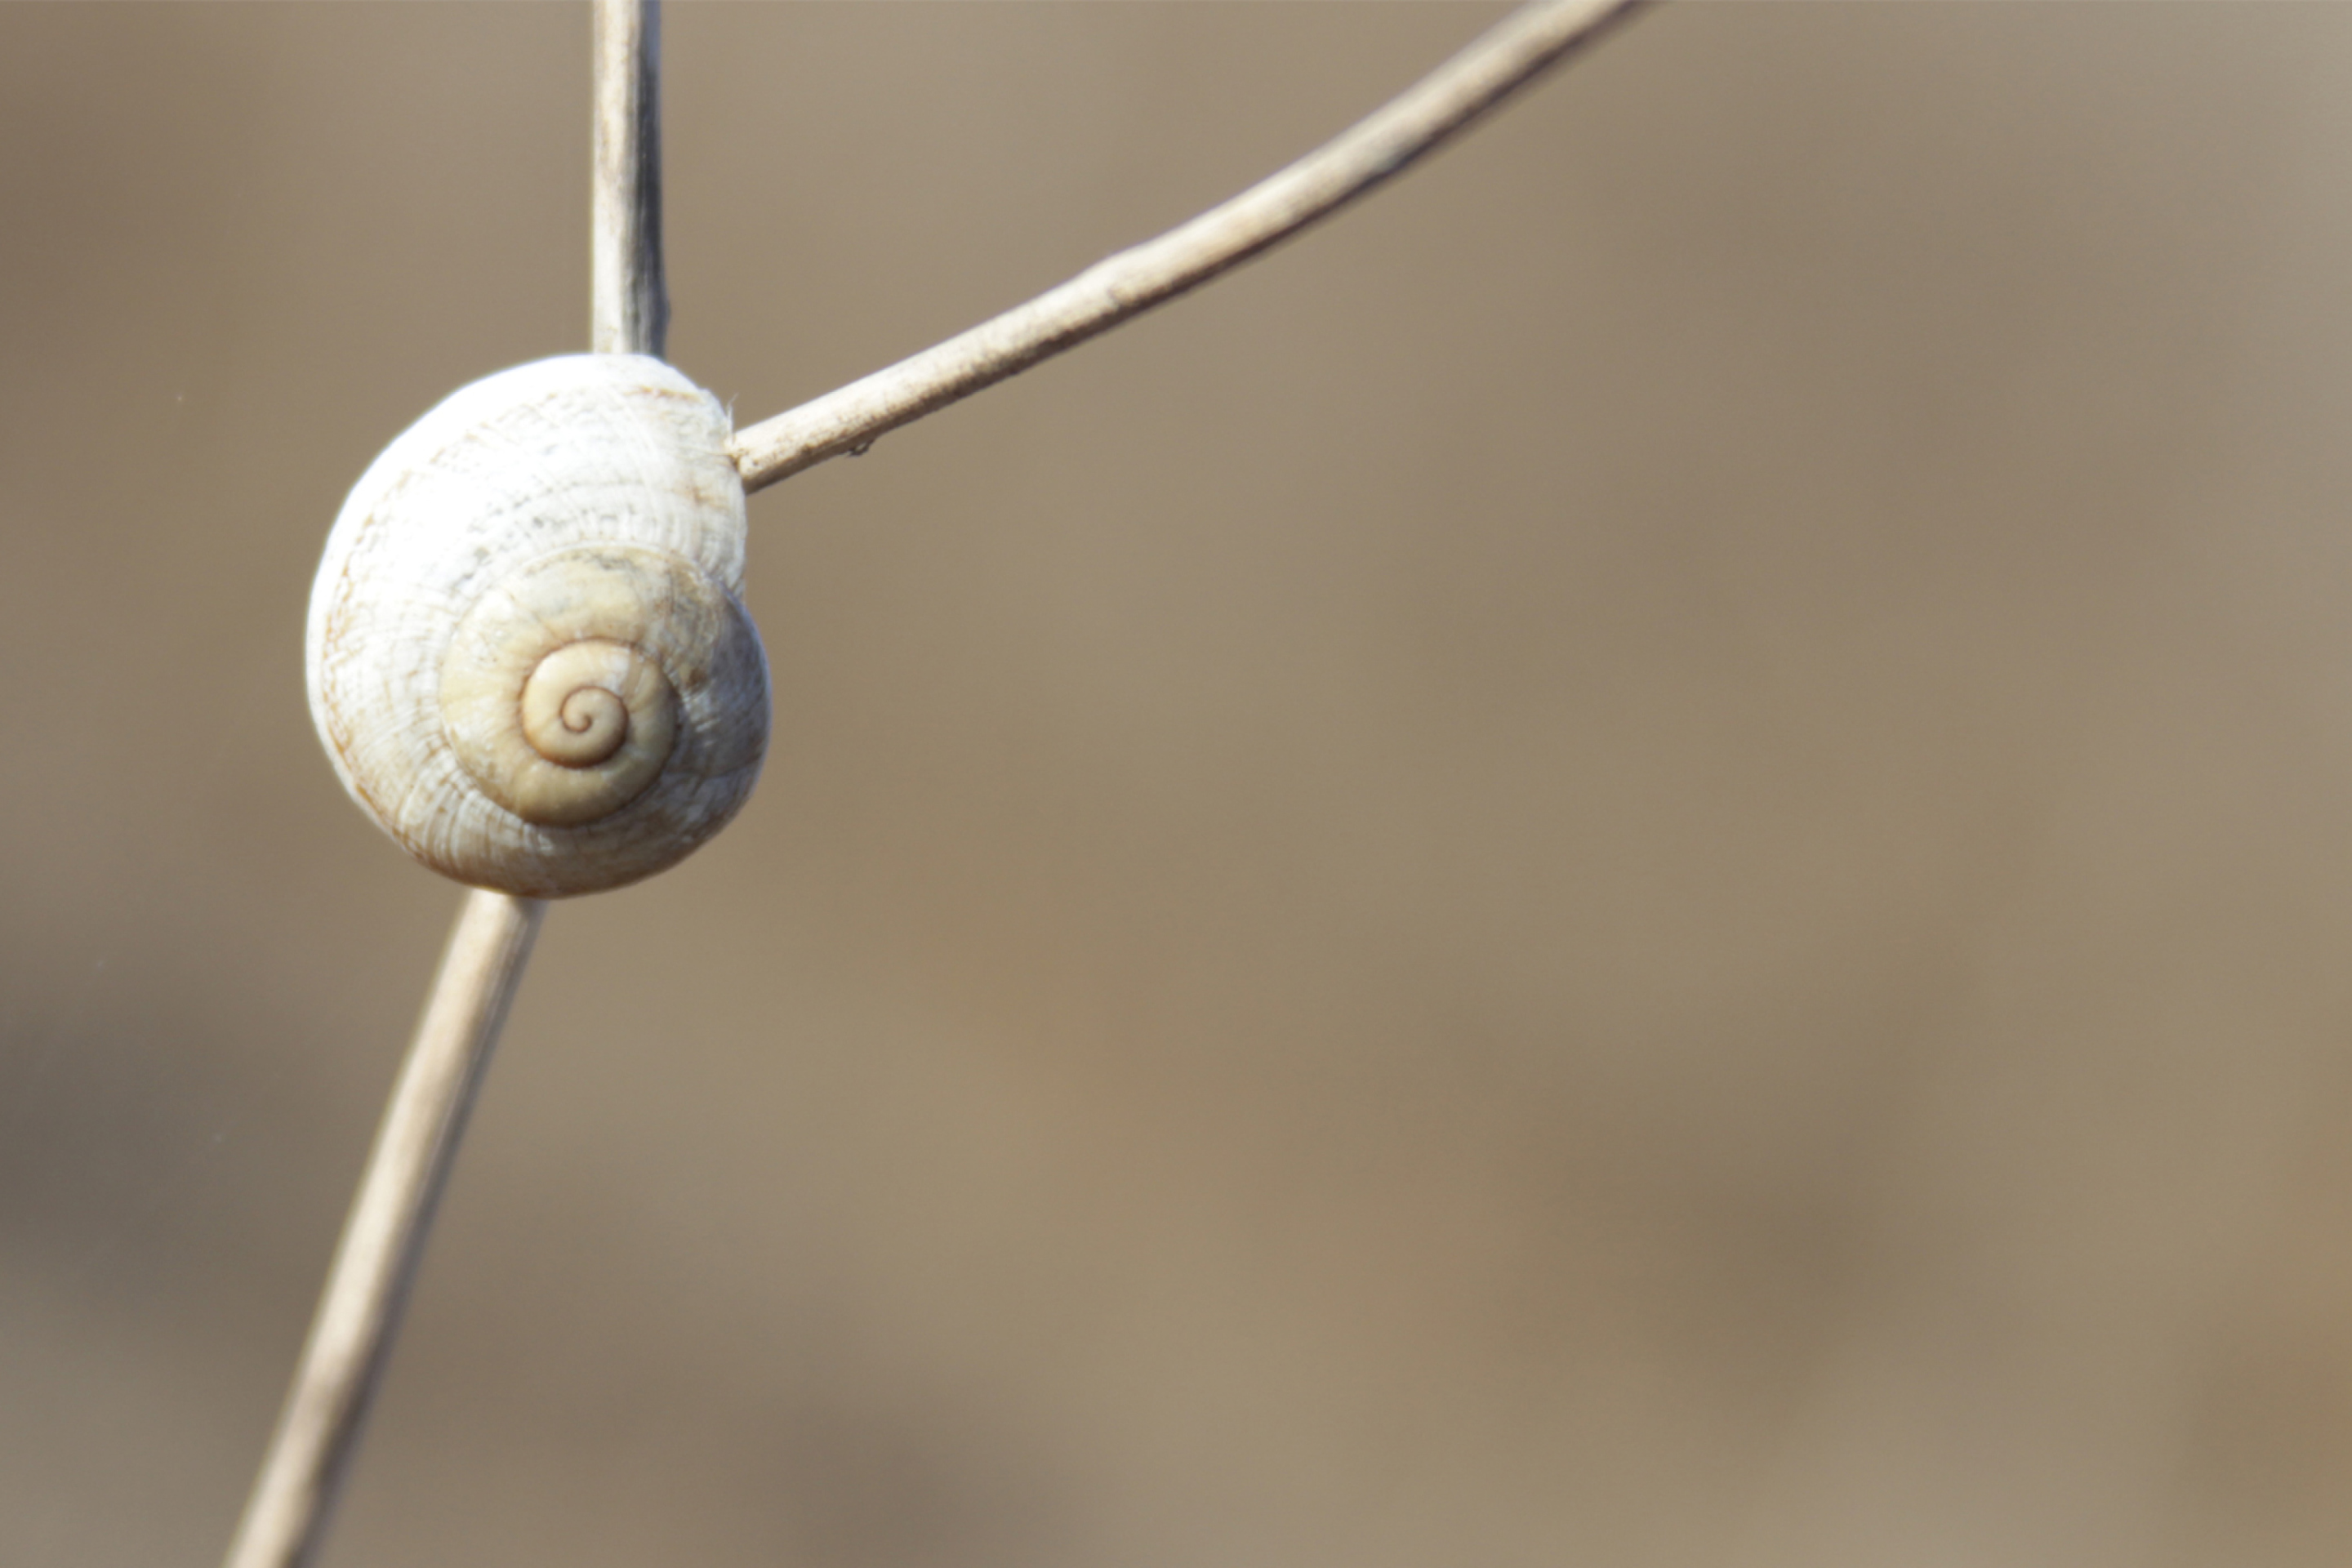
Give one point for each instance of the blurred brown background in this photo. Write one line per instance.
(1644, 859)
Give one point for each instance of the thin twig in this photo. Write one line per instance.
(1130, 283)
(384, 1239)
(375, 1263)
(630, 304)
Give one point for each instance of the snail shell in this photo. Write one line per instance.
(528, 655)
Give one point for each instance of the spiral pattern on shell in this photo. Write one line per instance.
(528, 653)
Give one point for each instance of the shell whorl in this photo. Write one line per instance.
(528, 655)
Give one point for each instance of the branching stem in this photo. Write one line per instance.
(382, 1243)
(384, 1238)
(1124, 286)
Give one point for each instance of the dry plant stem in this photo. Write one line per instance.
(630, 309)
(1450, 97)
(384, 1239)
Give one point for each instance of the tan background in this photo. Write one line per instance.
(1644, 858)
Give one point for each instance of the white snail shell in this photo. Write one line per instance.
(528, 655)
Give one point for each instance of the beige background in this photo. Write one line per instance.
(1644, 859)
